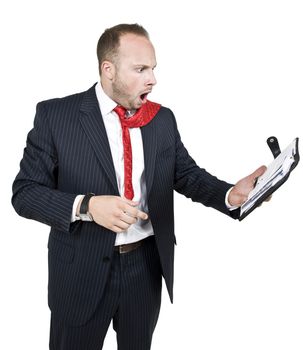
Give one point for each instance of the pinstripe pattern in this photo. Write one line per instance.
(68, 153)
(132, 298)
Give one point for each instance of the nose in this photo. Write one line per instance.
(151, 79)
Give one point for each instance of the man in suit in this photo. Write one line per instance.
(100, 168)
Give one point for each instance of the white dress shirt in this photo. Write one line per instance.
(142, 228)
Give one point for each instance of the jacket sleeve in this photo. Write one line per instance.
(35, 193)
(196, 183)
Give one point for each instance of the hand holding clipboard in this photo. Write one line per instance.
(276, 174)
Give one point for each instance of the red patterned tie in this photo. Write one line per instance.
(142, 117)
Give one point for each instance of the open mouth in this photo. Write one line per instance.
(143, 97)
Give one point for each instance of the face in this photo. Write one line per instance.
(133, 73)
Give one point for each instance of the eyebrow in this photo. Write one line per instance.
(144, 66)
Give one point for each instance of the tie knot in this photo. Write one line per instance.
(120, 111)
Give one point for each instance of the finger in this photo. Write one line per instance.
(123, 226)
(142, 215)
(260, 171)
(117, 229)
(268, 199)
(136, 213)
(129, 210)
(129, 219)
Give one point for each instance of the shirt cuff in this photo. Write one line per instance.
(77, 200)
(230, 207)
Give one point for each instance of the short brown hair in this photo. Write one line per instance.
(110, 40)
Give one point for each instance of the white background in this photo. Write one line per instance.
(232, 71)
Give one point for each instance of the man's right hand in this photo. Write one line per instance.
(115, 213)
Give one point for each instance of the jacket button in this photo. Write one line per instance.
(106, 259)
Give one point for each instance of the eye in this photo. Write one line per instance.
(140, 69)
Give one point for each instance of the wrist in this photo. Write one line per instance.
(83, 207)
(78, 206)
(229, 200)
(91, 205)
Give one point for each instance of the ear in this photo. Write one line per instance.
(108, 69)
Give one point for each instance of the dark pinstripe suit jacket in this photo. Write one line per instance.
(68, 153)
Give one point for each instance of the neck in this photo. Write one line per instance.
(106, 88)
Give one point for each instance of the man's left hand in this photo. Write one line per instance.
(239, 194)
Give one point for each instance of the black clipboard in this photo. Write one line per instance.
(275, 176)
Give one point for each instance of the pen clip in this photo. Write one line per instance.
(273, 144)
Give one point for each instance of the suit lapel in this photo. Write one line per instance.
(93, 125)
(150, 148)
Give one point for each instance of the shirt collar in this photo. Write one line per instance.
(106, 104)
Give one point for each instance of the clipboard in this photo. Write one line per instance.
(274, 177)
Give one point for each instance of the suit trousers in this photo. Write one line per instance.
(131, 299)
